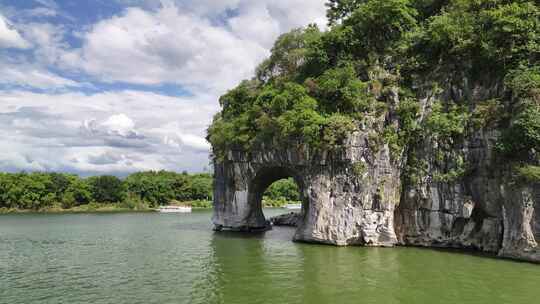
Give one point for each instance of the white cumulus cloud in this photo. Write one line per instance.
(180, 42)
(10, 37)
(86, 121)
(151, 48)
(120, 124)
(26, 75)
(104, 132)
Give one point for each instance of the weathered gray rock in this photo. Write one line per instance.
(461, 213)
(341, 205)
(357, 196)
(484, 209)
(291, 219)
(517, 216)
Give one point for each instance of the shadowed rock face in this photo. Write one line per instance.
(291, 219)
(464, 213)
(536, 218)
(357, 195)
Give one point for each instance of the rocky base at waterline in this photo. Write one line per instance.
(291, 219)
(357, 197)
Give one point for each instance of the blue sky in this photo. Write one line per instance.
(117, 86)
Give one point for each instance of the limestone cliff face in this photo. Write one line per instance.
(357, 195)
(456, 213)
(482, 208)
(349, 196)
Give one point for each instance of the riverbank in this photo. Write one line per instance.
(104, 208)
(82, 209)
(128, 207)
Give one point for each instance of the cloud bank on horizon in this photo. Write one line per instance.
(117, 86)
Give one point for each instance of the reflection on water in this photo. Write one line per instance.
(152, 258)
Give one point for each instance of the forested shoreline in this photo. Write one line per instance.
(142, 191)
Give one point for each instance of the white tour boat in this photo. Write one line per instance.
(174, 209)
(293, 206)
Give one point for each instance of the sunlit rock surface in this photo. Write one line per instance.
(348, 197)
(358, 194)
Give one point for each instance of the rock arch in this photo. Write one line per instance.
(355, 196)
(348, 195)
(268, 175)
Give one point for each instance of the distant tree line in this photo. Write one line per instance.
(35, 191)
(281, 192)
(142, 190)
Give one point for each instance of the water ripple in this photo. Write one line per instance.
(148, 258)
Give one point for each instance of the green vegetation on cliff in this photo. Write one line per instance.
(444, 68)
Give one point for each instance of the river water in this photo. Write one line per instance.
(156, 258)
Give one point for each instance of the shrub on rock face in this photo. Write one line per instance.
(337, 127)
(513, 32)
(522, 140)
(290, 56)
(529, 174)
(339, 90)
(447, 122)
(340, 9)
(488, 114)
(380, 25)
(525, 84)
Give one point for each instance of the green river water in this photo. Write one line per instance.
(156, 258)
